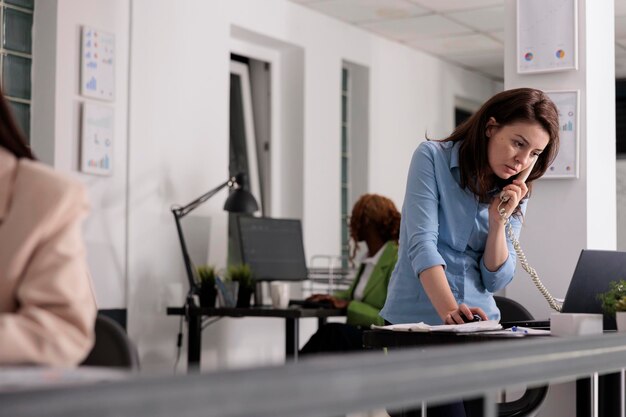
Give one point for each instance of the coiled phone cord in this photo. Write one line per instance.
(522, 259)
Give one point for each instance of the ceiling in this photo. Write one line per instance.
(469, 33)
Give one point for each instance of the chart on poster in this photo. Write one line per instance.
(546, 35)
(566, 163)
(97, 139)
(97, 69)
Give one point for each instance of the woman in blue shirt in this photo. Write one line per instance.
(453, 250)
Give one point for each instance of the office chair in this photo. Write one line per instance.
(511, 310)
(112, 347)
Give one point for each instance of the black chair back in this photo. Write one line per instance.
(511, 310)
(112, 347)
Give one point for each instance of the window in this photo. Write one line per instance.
(244, 143)
(463, 109)
(461, 115)
(243, 158)
(16, 20)
(354, 146)
(345, 166)
(620, 118)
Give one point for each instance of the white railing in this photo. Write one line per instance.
(336, 385)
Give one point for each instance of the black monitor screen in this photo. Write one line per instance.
(594, 272)
(273, 248)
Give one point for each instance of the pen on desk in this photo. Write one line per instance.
(517, 329)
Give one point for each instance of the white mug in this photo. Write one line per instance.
(279, 292)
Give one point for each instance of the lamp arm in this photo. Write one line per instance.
(181, 212)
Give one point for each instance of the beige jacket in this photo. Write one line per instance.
(47, 307)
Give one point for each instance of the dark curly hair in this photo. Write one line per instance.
(376, 210)
(11, 137)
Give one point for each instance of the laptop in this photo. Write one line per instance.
(594, 271)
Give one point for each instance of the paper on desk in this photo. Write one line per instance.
(479, 326)
(525, 331)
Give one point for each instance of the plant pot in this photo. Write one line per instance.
(243, 298)
(620, 318)
(227, 294)
(208, 294)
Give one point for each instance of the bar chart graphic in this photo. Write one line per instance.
(97, 64)
(97, 139)
(566, 163)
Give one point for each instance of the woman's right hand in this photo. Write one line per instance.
(336, 302)
(319, 297)
(463, 310)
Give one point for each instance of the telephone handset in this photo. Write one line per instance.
(522, 176)
(518, 249)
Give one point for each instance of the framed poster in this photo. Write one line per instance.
(96, 156)
(97, 64)
(566, 163)
(547, 35)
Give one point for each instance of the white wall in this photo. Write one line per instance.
(179, 142)
(56, 127)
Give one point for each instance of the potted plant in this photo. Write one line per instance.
(243, 275)
(208, 292)
(614, 302)
(620, 314)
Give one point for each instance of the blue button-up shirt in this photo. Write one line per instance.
(443, 224)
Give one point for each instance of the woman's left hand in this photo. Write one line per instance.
(515, 192)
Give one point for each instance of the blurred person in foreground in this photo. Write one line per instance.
(47, 306)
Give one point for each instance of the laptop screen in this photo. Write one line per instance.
(594, 271)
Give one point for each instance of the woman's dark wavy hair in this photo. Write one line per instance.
(11, 137)
(507, 107)
(374, 209)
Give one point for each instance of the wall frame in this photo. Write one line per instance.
(96, 148)
(97, 64)
(547, 35)
(566, 163)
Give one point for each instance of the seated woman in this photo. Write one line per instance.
(47, 307)
(376, 221)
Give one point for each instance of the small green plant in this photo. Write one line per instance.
(615, 298)
(620, 305)
(242, 274)
(206, 275)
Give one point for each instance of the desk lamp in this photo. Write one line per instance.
(239, 201)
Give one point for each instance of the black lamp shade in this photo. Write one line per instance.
(241, 201)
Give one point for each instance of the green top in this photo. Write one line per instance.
(365, 312)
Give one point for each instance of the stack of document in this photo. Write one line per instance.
(473, 327)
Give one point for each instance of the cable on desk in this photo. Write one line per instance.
(179, 336)
(179, 343)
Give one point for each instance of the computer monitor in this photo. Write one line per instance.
(593, 274)
(273, 248)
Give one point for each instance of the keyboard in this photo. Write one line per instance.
(311, 304)
(533, 324)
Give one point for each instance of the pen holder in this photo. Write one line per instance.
(575, 324)
(280, 294)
